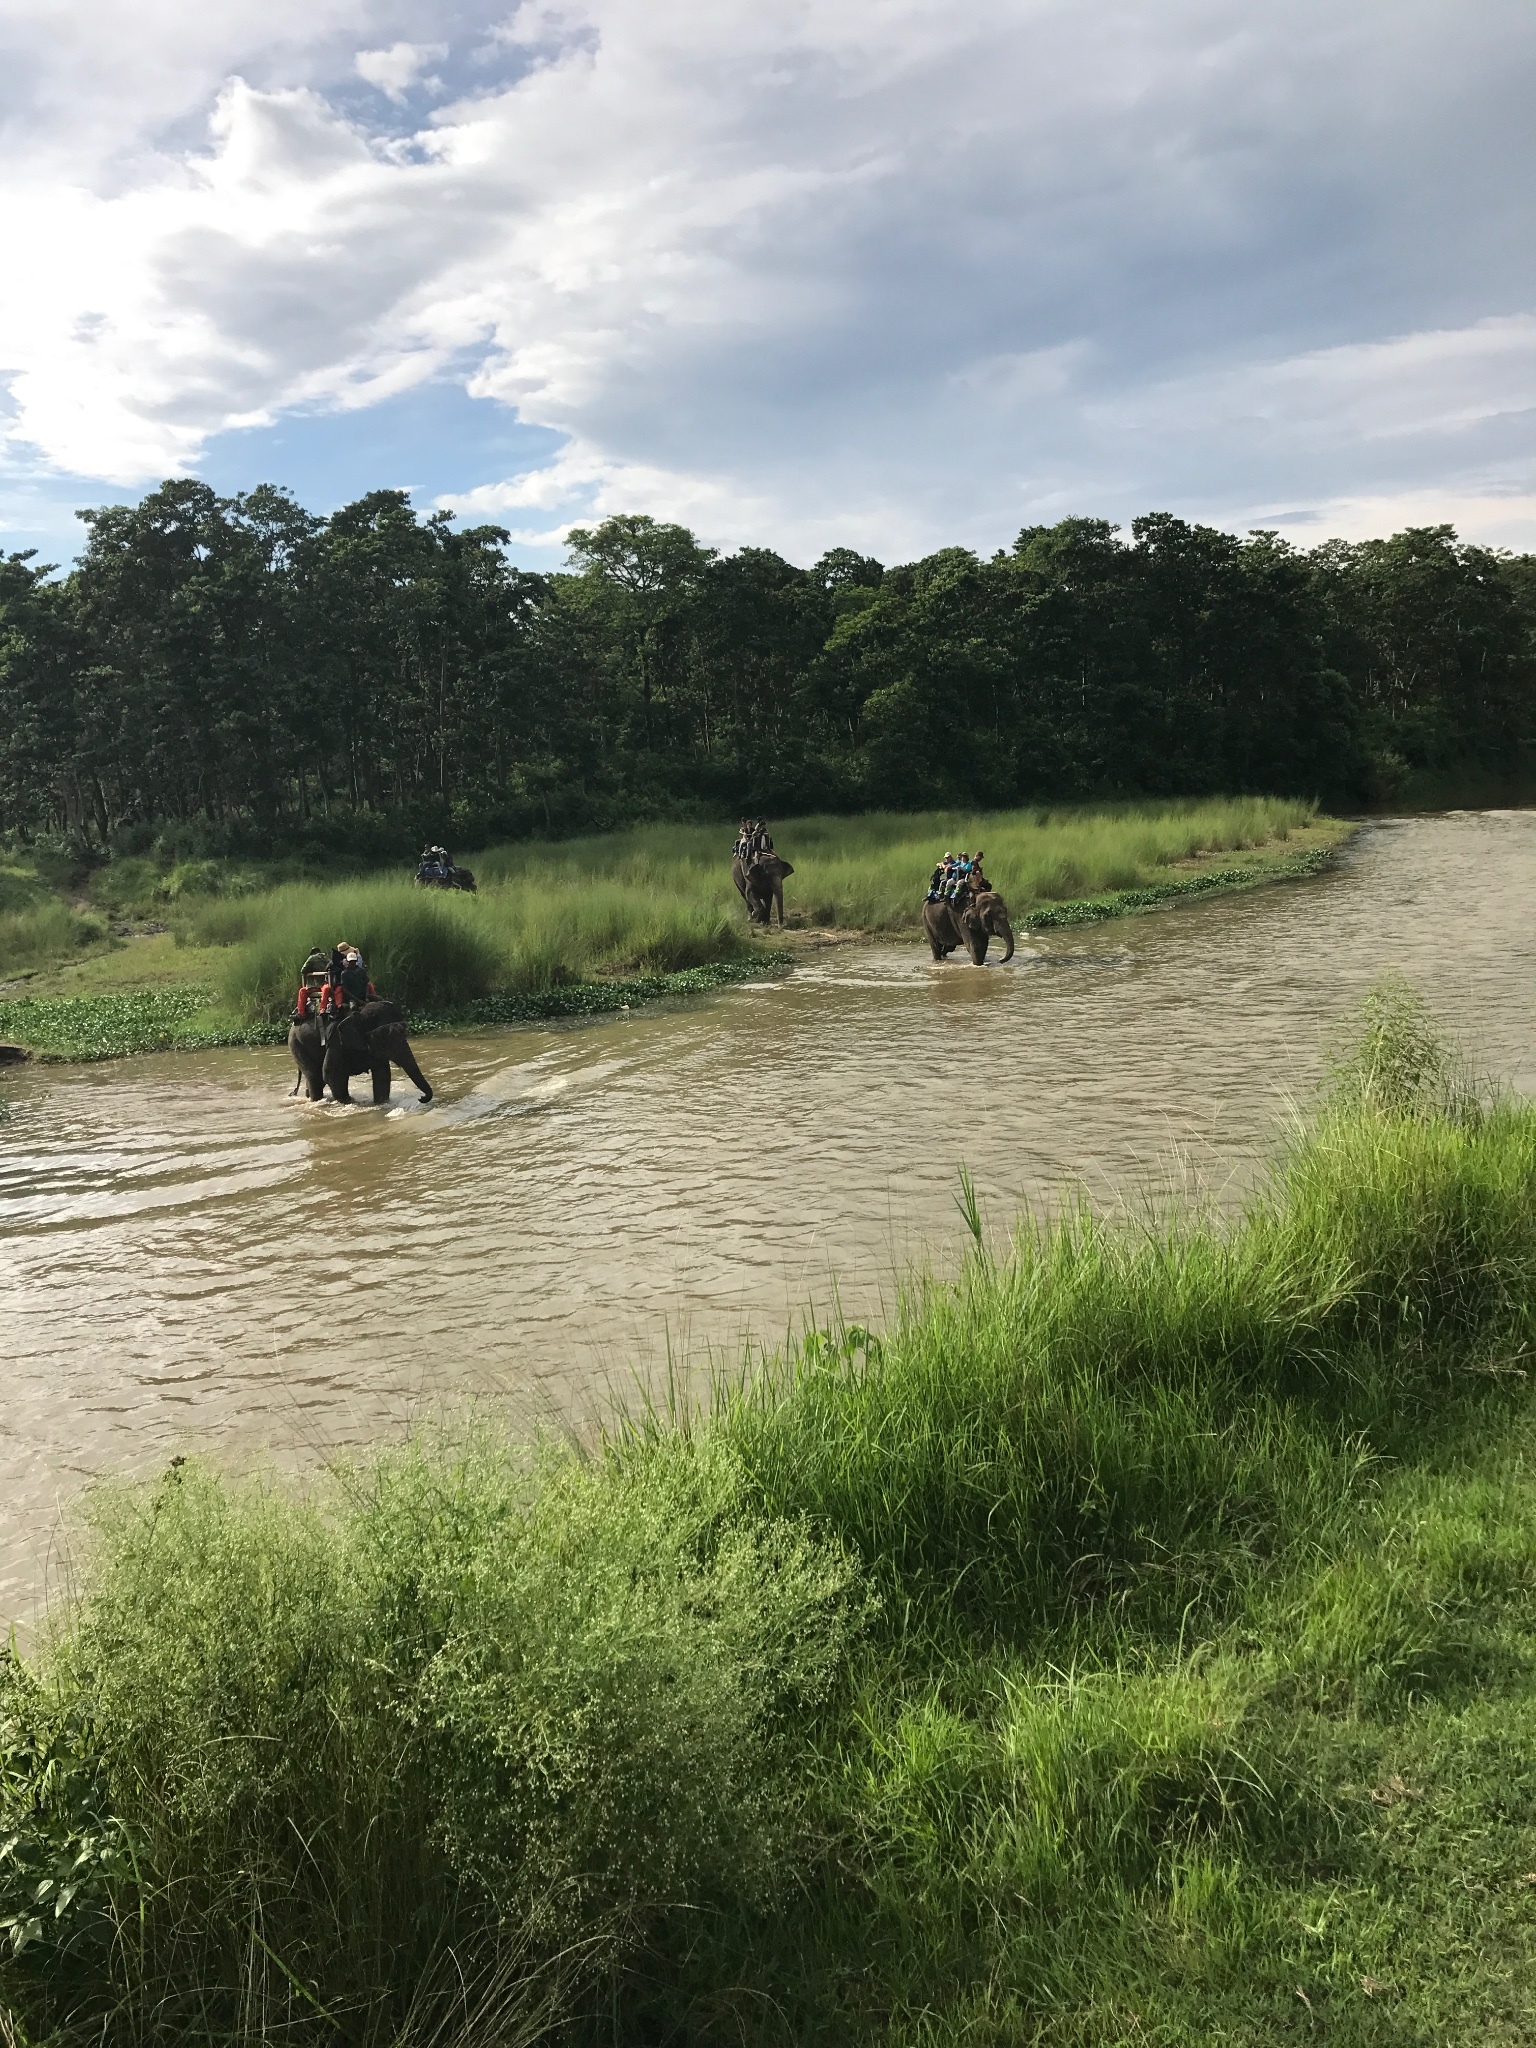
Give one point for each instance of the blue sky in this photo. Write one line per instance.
(883, 273)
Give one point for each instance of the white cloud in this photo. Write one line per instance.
(395, 70)
(882, 270)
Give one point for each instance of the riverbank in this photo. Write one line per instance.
(185, 1018)
(1133, 1639)
(223, 977)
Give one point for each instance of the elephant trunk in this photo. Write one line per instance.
(1006, 934)
(406, 1061)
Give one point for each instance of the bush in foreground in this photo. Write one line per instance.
(1034, 1670)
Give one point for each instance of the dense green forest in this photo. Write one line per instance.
(236, 673)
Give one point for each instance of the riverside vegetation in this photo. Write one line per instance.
(1134, 1641)
(585, 924)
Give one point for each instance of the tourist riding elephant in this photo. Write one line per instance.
(761, 883)
(330, 1050)
(969, 921)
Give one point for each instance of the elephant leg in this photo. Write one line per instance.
(337, 1076)
(381, 1080)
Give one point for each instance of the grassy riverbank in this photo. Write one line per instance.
(1134, 1641)
(184, 1018)
(207, 953)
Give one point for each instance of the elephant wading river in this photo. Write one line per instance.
(330, 1050)
(970, 922)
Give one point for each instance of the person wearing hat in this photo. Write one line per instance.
(348, 973)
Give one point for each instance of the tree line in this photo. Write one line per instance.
(239, 674)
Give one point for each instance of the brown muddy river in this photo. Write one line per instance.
(188, 1258)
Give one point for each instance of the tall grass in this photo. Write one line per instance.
(40, 936)
(437, 950)
(966, 1681)
(870, 872)
(661, 898)
(37, 926)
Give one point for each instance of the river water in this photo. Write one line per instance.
(190, 1258)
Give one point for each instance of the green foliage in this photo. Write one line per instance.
(61, 1847)
(40, 936)
(1398, 1064)
(464, 1688)
(111, 1027)
(234, 676)
(184, 1019)
(1134, 1640)
(38, 924)
(869, 872)
(422, 946)
(442, 951)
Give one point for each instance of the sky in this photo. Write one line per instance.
(885, 274)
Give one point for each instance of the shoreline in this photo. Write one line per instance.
(82, 1030)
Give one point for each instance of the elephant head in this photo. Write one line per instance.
(993, 912)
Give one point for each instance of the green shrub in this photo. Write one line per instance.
(48, 932)
(422, 946)
(438, 950)
(469, 1690)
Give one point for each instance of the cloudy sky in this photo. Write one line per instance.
(883, 273)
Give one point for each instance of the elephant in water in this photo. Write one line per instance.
(971, 921)
(361, 1041)
(761, 882)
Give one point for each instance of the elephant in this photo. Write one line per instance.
(970, 921)
(456, 878)
(361, 1041)
(761, 882)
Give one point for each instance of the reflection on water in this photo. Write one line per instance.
(187, 1254)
